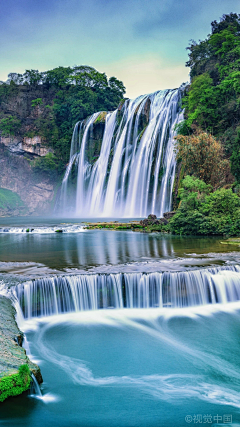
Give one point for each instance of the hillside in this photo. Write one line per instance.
(208, 140)
(38, 112)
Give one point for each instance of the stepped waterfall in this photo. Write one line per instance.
(122, 163)
(56, 295)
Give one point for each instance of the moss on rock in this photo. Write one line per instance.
(12, 355)
(15, 384)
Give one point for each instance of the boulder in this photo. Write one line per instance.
(153, 220)
(168, 215)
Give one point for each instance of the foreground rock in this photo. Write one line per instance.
(15, 366)
(152, 220)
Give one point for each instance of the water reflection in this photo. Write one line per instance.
(101, 247)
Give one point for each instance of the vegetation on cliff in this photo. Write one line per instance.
(212, 101)
(49, 104)
(208, 140)
(11, 201)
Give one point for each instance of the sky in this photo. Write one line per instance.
(141, 42)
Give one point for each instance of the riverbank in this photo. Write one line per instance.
(15, 366)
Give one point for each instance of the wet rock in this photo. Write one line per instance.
(152, 217)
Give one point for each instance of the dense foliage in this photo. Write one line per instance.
(208, 140)
(212, 102)
(203, 211)
(50, 103)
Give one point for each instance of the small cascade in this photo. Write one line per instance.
(66, 228)
(132, 173)
(56, 295)
(35, 389)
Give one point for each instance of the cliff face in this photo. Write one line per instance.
(23, 190)
(23, 145)
(28, 193)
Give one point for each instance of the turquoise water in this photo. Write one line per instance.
(125, 368)
(91, 248)
(133, 368)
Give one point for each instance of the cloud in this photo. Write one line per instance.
(140, 42)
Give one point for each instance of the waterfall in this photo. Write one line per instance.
(132, 173)
(35, 389)
(55, 295)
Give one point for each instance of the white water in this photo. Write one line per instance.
(35, 389)
(134, 173)
(56, 295)
(63, 228)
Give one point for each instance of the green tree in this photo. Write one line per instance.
(202, 156)
(66, 95)
(9, 125)
(212, 101)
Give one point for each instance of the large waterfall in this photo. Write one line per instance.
(55, 295)
(130, 173)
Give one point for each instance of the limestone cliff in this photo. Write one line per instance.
(28, 193)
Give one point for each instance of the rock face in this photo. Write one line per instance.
(16, 175)
(21, 146)
(12, 354)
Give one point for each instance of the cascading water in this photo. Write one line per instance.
(135, 167)
(35, 389)
(55, 295)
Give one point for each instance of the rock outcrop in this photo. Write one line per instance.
(32, 146)
(153, 220)
(12, 354)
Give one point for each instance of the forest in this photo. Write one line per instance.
(50, 103)
(208, 140)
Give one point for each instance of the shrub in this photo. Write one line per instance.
(36, 102)
(202, 155)
(203, 212)
(46, 164)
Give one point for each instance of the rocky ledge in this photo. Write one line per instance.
(148, 225)
(21, 146)
(15, 366)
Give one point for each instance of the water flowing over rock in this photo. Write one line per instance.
(131, 174)
(55, 295)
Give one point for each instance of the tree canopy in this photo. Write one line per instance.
(212, 101)
(54, 101)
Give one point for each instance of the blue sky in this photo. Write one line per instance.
(141, 42)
